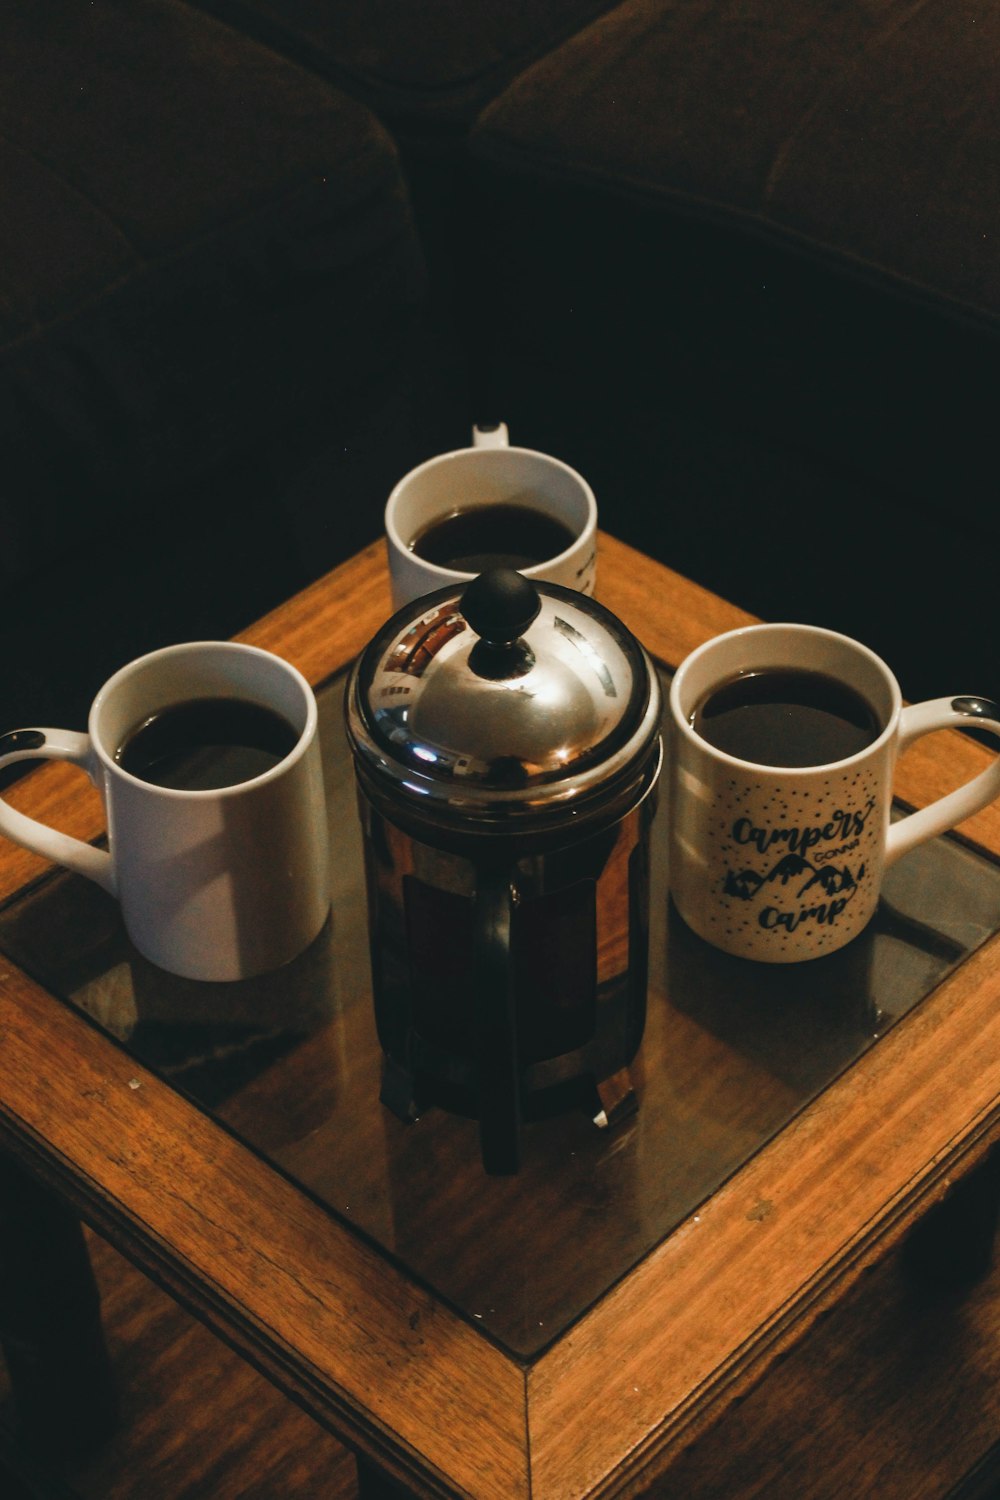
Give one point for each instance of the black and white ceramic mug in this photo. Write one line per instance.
(784, 861)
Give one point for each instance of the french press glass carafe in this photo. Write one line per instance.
(506, 744)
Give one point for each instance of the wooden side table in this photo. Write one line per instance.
(567, 1333)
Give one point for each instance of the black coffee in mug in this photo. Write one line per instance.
(203, 744)
(505, 535)
(786, 716)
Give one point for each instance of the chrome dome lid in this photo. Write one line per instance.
(502, 698)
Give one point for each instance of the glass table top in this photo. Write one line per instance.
(290, 1063)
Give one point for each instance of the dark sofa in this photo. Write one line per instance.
(738, 265)
(210, 283)
(758, 303)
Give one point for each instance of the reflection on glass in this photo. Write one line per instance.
(291, 1062)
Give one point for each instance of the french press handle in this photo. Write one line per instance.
(493, 971)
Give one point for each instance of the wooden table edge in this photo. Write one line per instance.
(320, 631)
(245, 1250)
(838, 1189)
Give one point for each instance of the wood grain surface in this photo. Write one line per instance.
(197, 1422)
(895, 1395)
(786, 1236)
(365, 1346)
(253, 1256)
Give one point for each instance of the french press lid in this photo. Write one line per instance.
(504, 702)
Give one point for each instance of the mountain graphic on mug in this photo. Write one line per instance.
(745, 884)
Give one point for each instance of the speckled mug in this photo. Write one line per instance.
(784, 863)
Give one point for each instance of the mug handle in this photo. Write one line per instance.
(920, 719)
(499, 1085)
(52, 744)
(490, 435)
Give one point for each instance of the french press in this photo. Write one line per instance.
(506, 743)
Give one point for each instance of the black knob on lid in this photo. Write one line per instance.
(500, 605)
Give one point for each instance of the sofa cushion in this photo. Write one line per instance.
(426, 67)
(744, 274)
(209, 280)
(865, 131)
(200, 245)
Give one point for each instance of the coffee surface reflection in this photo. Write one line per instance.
(507, 535)
(206, 744)
(786, 717)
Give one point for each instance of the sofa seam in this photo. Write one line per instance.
(753, 221)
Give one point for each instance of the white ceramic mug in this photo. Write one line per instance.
(213, 884)
(491, 472)
(782, 863)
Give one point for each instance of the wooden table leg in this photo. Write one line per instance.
(954, 1245)
(50, 1321)
(373, 1484)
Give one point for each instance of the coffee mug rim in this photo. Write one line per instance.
(693, 738)
(486, 455)
(238, 788)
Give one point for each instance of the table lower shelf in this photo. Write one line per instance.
(895, 1394)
